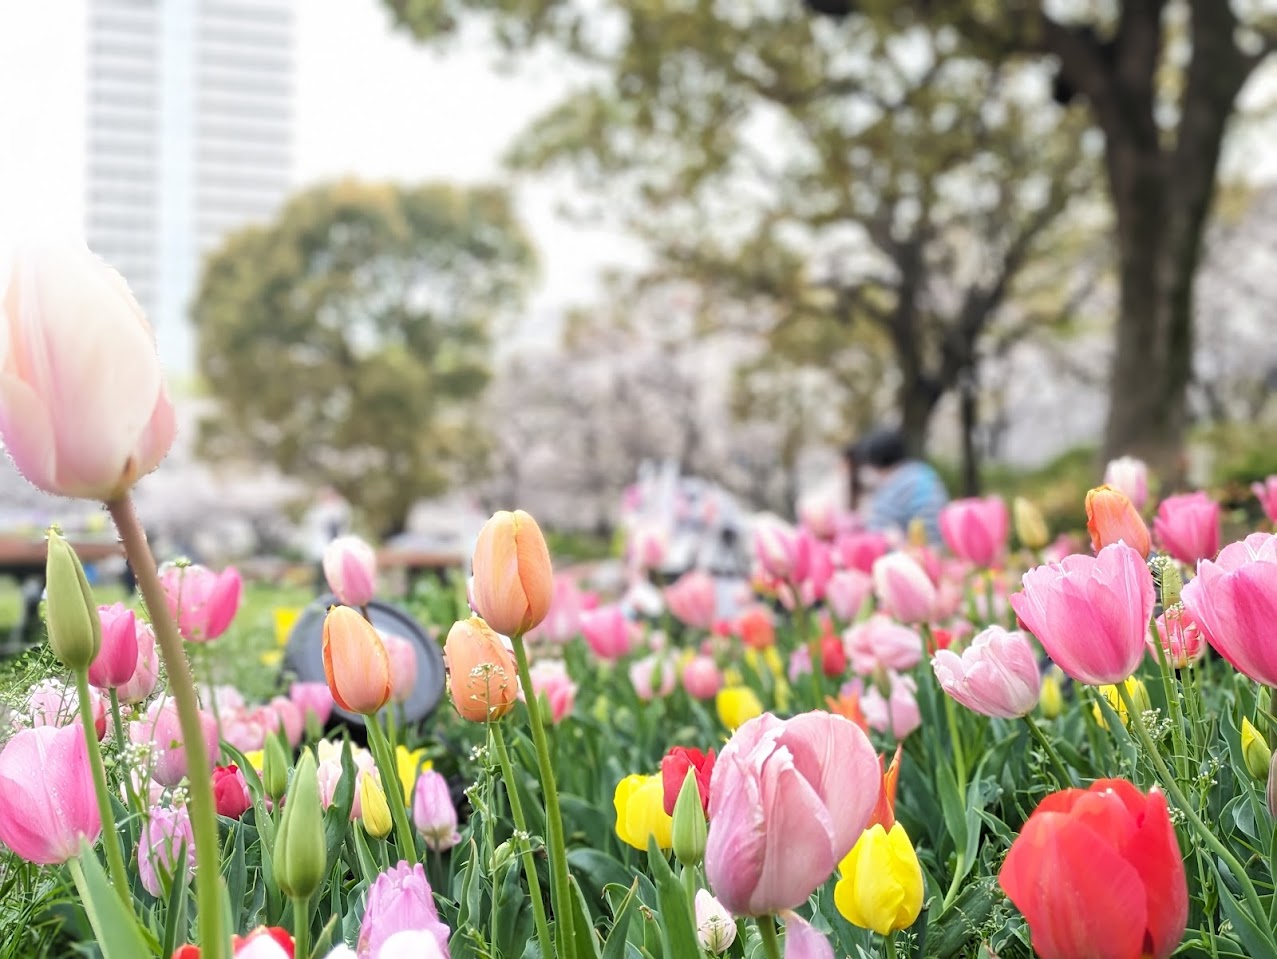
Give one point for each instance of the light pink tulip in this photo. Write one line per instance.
(782, 552)
(847, 591)
(819, 515)
(399, 900)
(693, 599)
(802, 941)
(161, 728)
(166, 836)
(433, 812)
(1233, 600)
(283, 713)
(563, 623)
(245, 729)
(997, 675)
(715, 928)
(1187, 527)
(882, 643)
(904, 589)
(329, 773)
(1266, 493)
(202, 602)
(350, 566)
(403, 666)
(701, 678)
(976, 529)
(142, 683)
(51, 702)
(1130, 475)
(47, 803)
(314, 698)
(1180, 636)
(83, 407)
(859, 550)
(608, 632)
(1090, 613)
(653, 676)
(116, 660)
(647, 548)
(551, 682)
(897, 713)
(788, 800)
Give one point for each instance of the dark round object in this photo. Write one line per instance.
(831, 8)
(304, 654)
(882, 448)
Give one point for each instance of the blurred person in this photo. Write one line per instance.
(890, 490)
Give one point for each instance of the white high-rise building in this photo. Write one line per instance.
(189, 134)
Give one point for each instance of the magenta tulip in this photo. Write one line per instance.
(1130, 475)
(1180, 637)
(847, 591)
(609, 633)
(116, 661)
(976, 529)
(1266, 493)
(1090, 613)
(1233, 600)
(788, 800)
(996, 675)
(282, 714)
(47, 803)
(83, 407)
(803, 941)
(350, 566)
(693, 599)
(904, 589)
(433, 812)
(400, 899)
(882, 643)
(202, 602)
(1188, 527)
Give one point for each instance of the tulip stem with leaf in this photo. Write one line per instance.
(1062, 776)
(386, 766)
(110, 835)
(525, 850)
(209, 890)
(767, 933)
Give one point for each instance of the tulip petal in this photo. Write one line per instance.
(802, 941)
(835, 756)
(27, 432)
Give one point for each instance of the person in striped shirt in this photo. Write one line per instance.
(896, 490)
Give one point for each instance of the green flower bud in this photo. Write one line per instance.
(75, 631)
(689, 830)
(1255, 751)
(1272, 787)
(274, 767)
(301, 858)
(501, 858)
(1172, 583)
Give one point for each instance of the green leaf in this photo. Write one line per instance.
(118, 933)
(337, 816)
(952, 807)
(614, 948)
(678, 935)
(175, 925)
(513, 910)
(1257, 940)
(587, 940)
(367, 864)
(237, 878)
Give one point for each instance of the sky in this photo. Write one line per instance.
(370, 102)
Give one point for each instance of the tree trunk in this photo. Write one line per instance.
(917, 400)
(968, 389)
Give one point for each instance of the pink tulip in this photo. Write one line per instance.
(116, 661)
(166, 836)
(202, 602)
(997, 675)
(788, 800)
(976, 530)
(141, 684)
(244, 729)
(400, 899)
(83, 407)
(47, 803)
(1180, 636)
(802, 941)
(1129, 475)
(820, 567)
(283, 713)
(433, 813)
(653, 677)
(819, 515)
(608, 632)
(551, 682)
(162, 730)
(904, 589)
(51, 702)
(313, 698)
(350, 566)
(403, 666)
(647, 548)
(1233, 600)
(563, 623)
(329, 774)
(782, 552)
(693, 599)
(897, 713)
(859, 550)
(1188, 527)
(847, 591)
(882, 643)
(1266, 493)
(1090, 613)
(701, 678)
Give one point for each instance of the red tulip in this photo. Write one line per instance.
(674, 767)
(1098, 873)
(230, 791)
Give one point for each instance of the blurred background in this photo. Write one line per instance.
(413, 260)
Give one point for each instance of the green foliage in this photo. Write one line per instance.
(344, 341)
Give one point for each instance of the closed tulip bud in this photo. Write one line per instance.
(482, 674)
(350, 566)
(640, 812)
(433, 813)
(1172, 583)
(513, 580)
(1138, 694)
(355, 662)
(375, 811)
(689, 829)
(75, 632)
(274, 768)
(1112, 518)
(1051, 699)
(300, 849)
(1255, 751)
(117, 659)
(904, 588)
(736, 705)
(715, 928)
(1030, 527)
(881, 885)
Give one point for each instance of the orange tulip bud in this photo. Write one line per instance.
(355, 662)
(513, 581)
(482, 674)
(885, 811)
(1111, 517)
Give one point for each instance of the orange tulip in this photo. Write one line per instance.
(885, 811)
(355, 662)
(513, 581)
(482, 674)
(1111, 517)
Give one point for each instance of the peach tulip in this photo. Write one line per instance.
(1111, 518)
(513, 580)
(355, 662)
(482, 674)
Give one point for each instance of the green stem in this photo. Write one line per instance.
(135, 804)
(561, 891)
(389, 771)
(209, 888)
(1061, 772)
(889, 945)
(110, 836)
(767, 932)
(301, 927)
(1203, 831)
(689, 891)
(952, 892)
(1172, 703)
(959, 761)
(521, 824)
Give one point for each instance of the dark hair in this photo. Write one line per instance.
(880, 448)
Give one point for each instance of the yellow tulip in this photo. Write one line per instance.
(640, 812)
(881, 886)
(1051, 699)
(1030, 527)
(736, 705)
(374, 810)
(256, 758)
(1139, 698)
(1255, 751)
(409, 763)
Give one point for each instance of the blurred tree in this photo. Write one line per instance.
(345, 342)
(851, 189)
